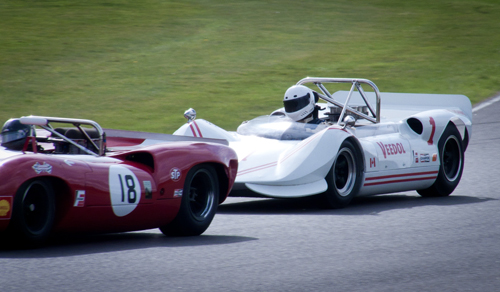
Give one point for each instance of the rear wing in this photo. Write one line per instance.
(397, 106)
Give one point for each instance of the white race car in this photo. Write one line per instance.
(360, 143)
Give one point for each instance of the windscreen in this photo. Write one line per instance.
(279, 127)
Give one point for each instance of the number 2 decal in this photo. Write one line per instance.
(433, 125)
(124, 190)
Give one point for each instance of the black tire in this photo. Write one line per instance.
(344, 178)
(451, 155)
(200, 199)
(33, 213)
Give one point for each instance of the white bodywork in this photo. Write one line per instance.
(396, 157)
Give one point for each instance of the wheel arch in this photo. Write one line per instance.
(63, 198)
(462, 129)
(430, 125)
(332, 142)
(222, 179)
(359, 149)
(444, 185)
(349, 176)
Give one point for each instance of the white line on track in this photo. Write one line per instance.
(486, 103)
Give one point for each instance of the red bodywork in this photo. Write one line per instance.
(85, 185)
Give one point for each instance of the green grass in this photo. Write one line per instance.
(138, 65)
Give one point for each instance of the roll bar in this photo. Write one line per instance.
(356, 84)
(44, 122)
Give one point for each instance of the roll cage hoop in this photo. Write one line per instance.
(44, 123)
(356, 84)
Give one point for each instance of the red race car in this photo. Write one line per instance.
(69, 175)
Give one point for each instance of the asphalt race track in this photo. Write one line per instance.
(397, 242)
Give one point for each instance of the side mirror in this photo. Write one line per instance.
(349, 121)
(190, 115)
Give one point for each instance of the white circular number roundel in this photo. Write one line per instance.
(124, 189)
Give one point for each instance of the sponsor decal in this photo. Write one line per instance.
(124, 190)
(69, 162)
(178, 193)
(45, 167)
(5, 207)
(79, 199)
(391, 148)
(434, 157)
(425, 157)
(148, 190)
(175, 174)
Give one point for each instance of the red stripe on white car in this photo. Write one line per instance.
(196, 132)
(197, 128)
(192, 130)
(257, 168)
(399, 178)
(299, 148)
(271, 164)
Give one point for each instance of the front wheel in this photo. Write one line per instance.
(344, 178)
(451, 155)
(33, 213)
(200, 199)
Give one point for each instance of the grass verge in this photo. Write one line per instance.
(138, 65)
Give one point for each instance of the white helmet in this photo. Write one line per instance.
(299, 102)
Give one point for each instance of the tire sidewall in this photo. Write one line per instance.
(19, 228)
(331, 197)
(442, 186)
(210, 172)
(186, 223)
(442, 183)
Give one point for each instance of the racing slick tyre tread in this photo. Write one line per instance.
(199, 203)
(33, 214)
(344, 178)
(451, 155)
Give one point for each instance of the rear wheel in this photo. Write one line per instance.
(344, 178)
(200, 199)
(33, 213)
(451, 157)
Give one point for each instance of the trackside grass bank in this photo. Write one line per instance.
(138, 65)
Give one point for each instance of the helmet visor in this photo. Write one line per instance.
(13, 136)
(293, 105)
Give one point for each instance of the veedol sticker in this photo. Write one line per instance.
(391, 148)
(124, 189)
